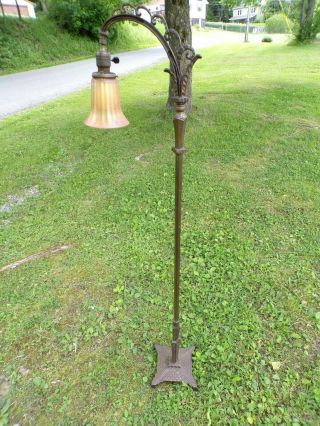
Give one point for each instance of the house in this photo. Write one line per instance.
(240, 13)
(198, 10)
(9, 7)
(156, 6)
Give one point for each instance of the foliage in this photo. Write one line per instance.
(308, 27)
(266, 39)
(218, 12)
(81, 17)
(233, 3)
(40, 42)
(289, 8)
(316, 20)
(43, 5)
(271, 8)
(278, 23)
(84, 322)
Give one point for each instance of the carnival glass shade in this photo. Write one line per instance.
(106, 110)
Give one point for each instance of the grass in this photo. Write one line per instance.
(30, 44)
(77, 329)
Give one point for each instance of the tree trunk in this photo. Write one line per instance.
(310, 10)
(44, 6)
(306, 19)
(18, 9)
(178, 18)
(1, 5)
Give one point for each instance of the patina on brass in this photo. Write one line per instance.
(174, 363)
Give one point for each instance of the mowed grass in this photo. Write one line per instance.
(78, 328)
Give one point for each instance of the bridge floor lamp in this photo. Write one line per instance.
(174, 363)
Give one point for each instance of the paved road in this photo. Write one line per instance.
(27, 89)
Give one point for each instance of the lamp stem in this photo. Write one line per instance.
(179, 122)
(175, 364)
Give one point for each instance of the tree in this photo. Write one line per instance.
(271, 8)
(218, 12)
(82, 17)
(18, 9)
(178, 18)
(44, 6)
(307, 26)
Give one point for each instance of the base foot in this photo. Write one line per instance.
(181, 372)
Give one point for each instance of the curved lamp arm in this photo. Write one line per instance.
(134, 14)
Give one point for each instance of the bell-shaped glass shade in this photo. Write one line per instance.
(106, 110)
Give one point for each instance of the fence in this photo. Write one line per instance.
(240, 28)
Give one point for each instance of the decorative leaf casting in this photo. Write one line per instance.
(178, 53)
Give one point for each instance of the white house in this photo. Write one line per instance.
(26, 7)
(198, 10)
(156, 6)
(240, 13)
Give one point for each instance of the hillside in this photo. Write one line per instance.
(37, 43)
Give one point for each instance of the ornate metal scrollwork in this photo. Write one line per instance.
(182, 57)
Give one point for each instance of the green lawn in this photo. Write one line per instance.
(84, 322)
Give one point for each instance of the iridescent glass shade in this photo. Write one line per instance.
(106, 110)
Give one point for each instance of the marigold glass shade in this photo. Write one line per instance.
(106, 110)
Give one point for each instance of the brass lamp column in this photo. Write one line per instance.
(174, 363)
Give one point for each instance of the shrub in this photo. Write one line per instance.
(266, 40)
(278, 23)
(82, 17)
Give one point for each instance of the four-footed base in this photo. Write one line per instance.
(179, 372)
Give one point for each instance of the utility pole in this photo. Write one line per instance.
(18, 9)
(246, 36)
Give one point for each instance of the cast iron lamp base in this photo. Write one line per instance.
(179, 372)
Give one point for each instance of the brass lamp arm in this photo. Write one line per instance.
(170, 36)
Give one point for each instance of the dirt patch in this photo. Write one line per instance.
(56, 170)
(307, 124)
(4, 387)
(139, 157)
(16, 200)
